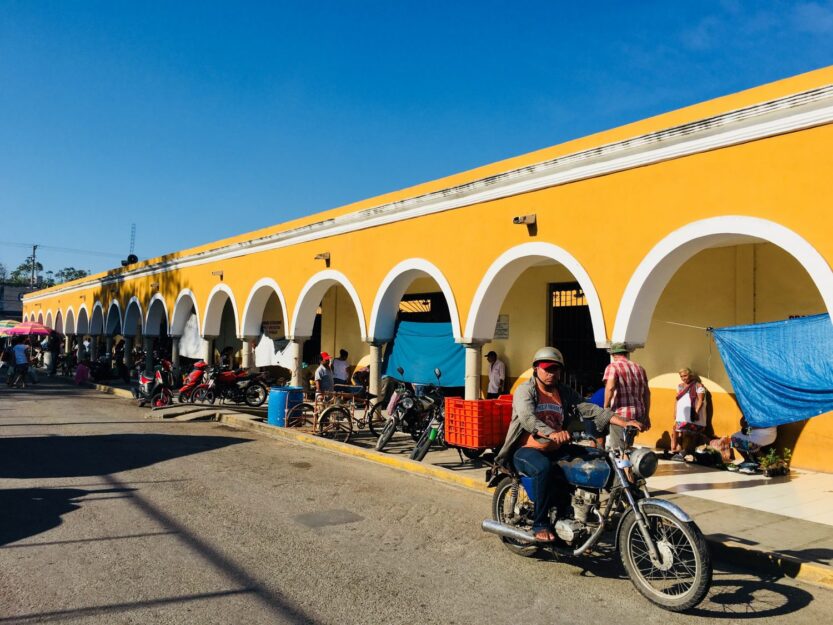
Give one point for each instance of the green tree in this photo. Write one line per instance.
(23, 273)
(70, 273)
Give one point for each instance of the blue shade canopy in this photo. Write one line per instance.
(419, 348)
(781, 371)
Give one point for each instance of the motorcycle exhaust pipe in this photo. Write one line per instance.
(507, 531)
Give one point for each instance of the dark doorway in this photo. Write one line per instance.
(571, 331)
(312, 346)
(424, 307)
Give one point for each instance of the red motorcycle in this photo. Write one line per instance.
(155, 389)
(194, 379)
(236, 386)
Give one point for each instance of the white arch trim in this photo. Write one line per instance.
(502, 274)
(647, 283)
(310, 298)
(214, 314)
(40, 317)
(393, 287)
(156, 318)
(99, 307)
(181, 310)
(78, 329)
(114, 304)
(50, 319)
(133, 302)
(69, 321)
(251, 325)
(59, 317)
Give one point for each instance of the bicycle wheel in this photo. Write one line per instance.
(335, 423)
(300, 416)
(376, 419)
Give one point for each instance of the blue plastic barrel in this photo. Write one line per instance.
(281, 400)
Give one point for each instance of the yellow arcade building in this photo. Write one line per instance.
(713, 215)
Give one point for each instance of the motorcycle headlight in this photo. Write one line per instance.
(644, 462)
(407, 402)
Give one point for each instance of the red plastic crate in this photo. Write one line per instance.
(476, 424)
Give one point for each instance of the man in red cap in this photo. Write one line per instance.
(323, 375)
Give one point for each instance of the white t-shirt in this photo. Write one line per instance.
(340, 369)
(684, 408)
(497, 373)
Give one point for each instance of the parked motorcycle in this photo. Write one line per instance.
(663, 551)
(192, 381)
(156, 388)
(236, 386)
(409, 413)
(434, 431)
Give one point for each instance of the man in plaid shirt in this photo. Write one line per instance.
(626, 387)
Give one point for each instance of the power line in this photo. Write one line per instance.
(63, 249)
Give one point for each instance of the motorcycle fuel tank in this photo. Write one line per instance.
(585, 467)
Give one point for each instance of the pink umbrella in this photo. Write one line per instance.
(27, 329)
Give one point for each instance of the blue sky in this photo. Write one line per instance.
(200, 120)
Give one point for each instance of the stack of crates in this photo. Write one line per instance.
(477, 424)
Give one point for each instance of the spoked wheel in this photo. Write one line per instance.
(335, 423)
(683, 574)
(301, 416)
(422, 446)
(387, 433)
(376, 419)
(162, 398)
(203, 394)
(511, 506)
(255, 394)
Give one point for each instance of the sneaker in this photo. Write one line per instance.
(749, 468)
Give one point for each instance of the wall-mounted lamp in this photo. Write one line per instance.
(530, 221)
(325, 256)
(219, 274)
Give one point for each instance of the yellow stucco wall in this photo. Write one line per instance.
(608, 224)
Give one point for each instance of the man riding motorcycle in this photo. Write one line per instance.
(543, 413)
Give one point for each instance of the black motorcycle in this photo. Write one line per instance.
(661, 547)
(410, 413)
(433, 433)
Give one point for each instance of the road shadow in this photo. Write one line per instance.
(31, 511)
(77, 456)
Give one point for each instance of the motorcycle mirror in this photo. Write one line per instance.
(400, 370)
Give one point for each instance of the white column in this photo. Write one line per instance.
(375, 366)
(296, 356)
(147, 342)
(208, 349)
(474, 357)
(175, 352)
(68, 340)
(247, 354)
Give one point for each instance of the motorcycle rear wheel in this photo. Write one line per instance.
(335, 423)
(255, 394)
(519, 515)
(684, 576)
(387, 433)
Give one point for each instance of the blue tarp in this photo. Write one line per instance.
(781, 371)
(419, 348)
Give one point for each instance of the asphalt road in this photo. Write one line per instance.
(107, 516)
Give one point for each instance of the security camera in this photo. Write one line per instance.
(524, 219)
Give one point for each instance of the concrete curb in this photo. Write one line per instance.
(764, 562)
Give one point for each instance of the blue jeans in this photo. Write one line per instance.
(538, 467)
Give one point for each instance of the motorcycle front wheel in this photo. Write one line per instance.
(255, 394)
(682, 577)
(511, 506)
(161, 398)
(423, 445)
(387, 433)
(203, 394)
(376, 419)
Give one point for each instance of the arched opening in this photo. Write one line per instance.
(82, 325)
(40, 318)
(220, 326)
(49, 320)
(329, 316)
(59, 322)
(69, 324)
(97, 320)
(156, 326)
(538, 294)
(716, 273)
(265, 324)
(133, 318)
(185, 328)
(113, 324)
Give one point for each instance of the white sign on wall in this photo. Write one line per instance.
(502, 327)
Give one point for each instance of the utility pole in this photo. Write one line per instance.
(34, 262)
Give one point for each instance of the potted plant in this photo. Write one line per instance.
(775, 464)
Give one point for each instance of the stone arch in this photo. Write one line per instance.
(113, 323)
(157, 312)
(393, 287)
(82, 323)
(505, 270)
(215, 303)
(59, 322)
(97, 319)
(69, 323)
(303, 316)
(647, 283)
(133, 317)
(256, 304)
(182, 311)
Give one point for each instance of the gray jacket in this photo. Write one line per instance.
(524, 419)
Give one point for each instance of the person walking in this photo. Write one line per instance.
(626, 387)
(497, 376)
(22, 356)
